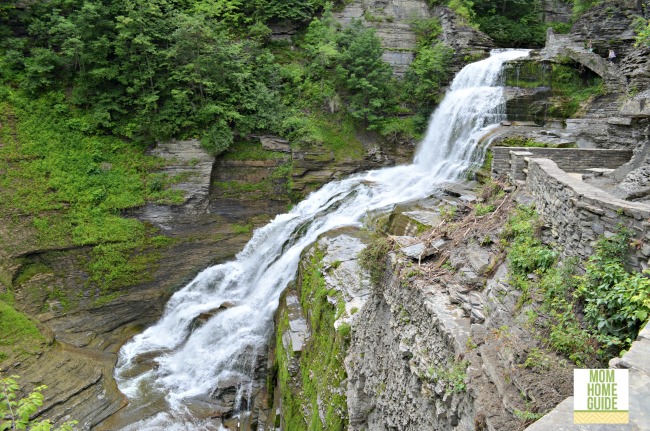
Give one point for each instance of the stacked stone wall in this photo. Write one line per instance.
(579, 213)
(568, 159)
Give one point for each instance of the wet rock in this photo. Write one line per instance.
(189, 160)
(298, 332)
(202, 318)
(418, 251)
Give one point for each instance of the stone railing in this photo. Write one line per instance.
(506, 159)
(578, 213)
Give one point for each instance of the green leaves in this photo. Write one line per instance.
(617, 302)
(597, 313)
(147, 69)
(428, 72)
(15, 413)
(642, 28)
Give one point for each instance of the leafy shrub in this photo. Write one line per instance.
(15, 413)
(581, 6)
(588, 317)
(642, 28)
(448, 212)
(617, 302)
(428, 72)
(218, 139)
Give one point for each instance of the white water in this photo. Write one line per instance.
(191, 363)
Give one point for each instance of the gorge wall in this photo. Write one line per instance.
(437, 345)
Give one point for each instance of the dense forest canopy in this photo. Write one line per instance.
(151, 70)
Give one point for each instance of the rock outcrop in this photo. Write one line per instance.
(391, 19)
(468, 43)
(430, 348)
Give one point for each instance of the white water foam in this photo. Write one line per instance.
(191, 363)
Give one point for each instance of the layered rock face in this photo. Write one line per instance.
(556, 11)
(393, 21)
(617, 118)
(430, 348)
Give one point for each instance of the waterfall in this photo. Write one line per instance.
(190, 362)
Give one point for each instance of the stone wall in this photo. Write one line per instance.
(569, 159)
(578, 212)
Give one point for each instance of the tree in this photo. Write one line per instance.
(428, 72)
(15, 413)
(512, 23)
(366, 76)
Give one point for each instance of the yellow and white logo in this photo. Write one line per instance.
(601, 396)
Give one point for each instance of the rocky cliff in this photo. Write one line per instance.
(394, 22)
(422, 338)
(439, 345)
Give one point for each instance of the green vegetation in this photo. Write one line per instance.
(18, 334)
(527, 416)
(452, 376)
(513, 23)
(373, 257)
(71, 186)
(522, 141)
(242, 149)
(642, 28)
(573, 87)
(581, 6)
(537, 359)
(236, 228)
(464, 8)
(519, 141)
(335, 134)
(428, 72)
(321, 362)
(588, 317)
(510, 23)
(15, 413)
(448, 212)
(481, 209)
(87, 87)
(616, 301)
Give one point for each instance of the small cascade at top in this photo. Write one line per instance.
(189, 362)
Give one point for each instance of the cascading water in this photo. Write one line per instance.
(190, 362)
